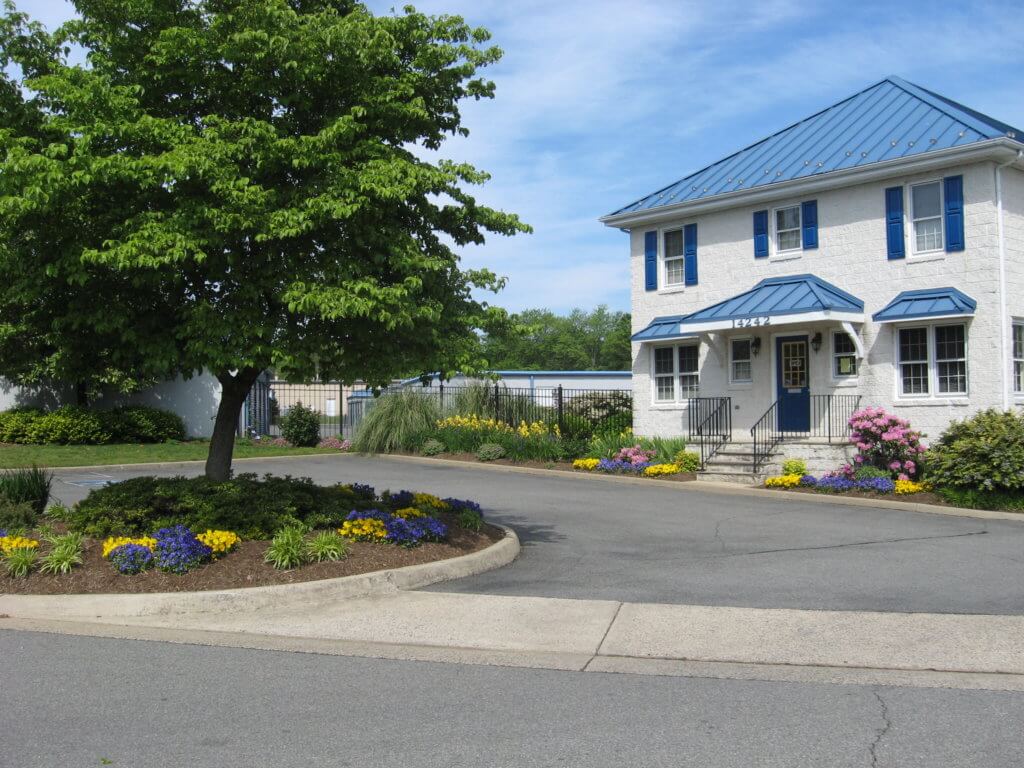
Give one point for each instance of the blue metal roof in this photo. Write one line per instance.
(889, 120)
(661, 328)
(930, 302)
(791, 295)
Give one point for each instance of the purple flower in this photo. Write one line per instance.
(179, 551)
(131, 558)
(461, 505)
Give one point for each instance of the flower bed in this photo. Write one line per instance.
(836, 483)
(385, 530)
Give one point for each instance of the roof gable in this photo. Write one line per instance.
(794, 294)
(889, 120)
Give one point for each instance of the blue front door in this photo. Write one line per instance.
(794, 389)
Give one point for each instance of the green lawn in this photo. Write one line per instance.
(127, 453)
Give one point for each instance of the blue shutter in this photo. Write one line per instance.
(809, 222)
(690, 254)
(760, 234)
(651, 261)
(894, 222)
(954, 213)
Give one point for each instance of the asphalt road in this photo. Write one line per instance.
(80, 701)
(646, 543)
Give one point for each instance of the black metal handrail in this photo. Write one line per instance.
(829, 419)
(709, 424)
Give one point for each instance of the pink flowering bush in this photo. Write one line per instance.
(884, 441)
(634, 455)
(335, 444)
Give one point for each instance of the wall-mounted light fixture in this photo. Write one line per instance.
(755, 345)
(816, 342)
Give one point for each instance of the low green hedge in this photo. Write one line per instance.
(72, 425)
(252, 507)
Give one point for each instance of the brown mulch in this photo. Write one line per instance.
(924, 497)
(564, 466)
(244, 567)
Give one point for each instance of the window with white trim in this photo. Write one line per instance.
(740, 361)
(676, 374)
(926, 216)
(675, 269)
(787, 229)
(1018, 357)
(932, 359)
(844, 356)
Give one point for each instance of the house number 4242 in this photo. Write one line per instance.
(750, 322)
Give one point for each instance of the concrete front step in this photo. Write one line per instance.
(742, 476)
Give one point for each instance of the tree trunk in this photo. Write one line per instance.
(81, 394)
(222, 444)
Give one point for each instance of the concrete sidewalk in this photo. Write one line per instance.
(929, 650)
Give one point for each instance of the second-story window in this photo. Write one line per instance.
(787, 229)
(926, 214)
(675, 270)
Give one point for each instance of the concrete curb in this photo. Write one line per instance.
(733, 489)
(120, 606)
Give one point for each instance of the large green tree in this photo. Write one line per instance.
(235, 185)
(539, 339)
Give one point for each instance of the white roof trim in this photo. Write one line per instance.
(924, 319)
(769, 321)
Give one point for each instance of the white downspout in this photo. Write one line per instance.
(1004, 315)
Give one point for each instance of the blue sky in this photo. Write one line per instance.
(599, 103)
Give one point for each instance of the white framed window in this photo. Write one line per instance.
(844, 356)
(926, 216)
(1018, 356)
(676, 375)
(932, 359)
(740, 369)
(787, 229)
(675, 268)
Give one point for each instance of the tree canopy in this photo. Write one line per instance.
(235, 185)
(538, 339)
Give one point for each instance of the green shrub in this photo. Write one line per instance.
(574, 447)
(398, 421)
(15, 424)
(17, 514)
(973, 498)
(984, 452)
(327, 546)
(869, 473)
(30, 485)
(142, 424)
(288, 548)
(794, 467)
(300, 426)
(490, 452)
(70, 425)
(254, 508)
(605, 411)
(432, 447)
(687, 461)
(19, 562)
(576, 427)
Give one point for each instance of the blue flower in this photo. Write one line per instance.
(178, 550)
(131, 558)
(462, 505)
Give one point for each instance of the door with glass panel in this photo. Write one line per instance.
(793, 385)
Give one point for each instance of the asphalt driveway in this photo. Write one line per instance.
(585, 538)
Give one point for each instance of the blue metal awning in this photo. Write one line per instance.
(662, 329)
(930, 302)
(774, 301)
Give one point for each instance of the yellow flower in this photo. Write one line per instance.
(409, 512)
(661, 469)
(782, 481)
(363, 529)
(113, 542)
(220, 542)
(904, 487)
(429, 502)
(585, 464)
(10, 543)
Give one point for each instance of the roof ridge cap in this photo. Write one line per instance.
(964, 114)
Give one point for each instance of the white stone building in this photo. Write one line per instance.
(871, 254)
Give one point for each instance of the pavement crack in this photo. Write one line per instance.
(857, 544)
(597, 651)
(880, 733)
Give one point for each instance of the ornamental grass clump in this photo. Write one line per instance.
(398, 421)
(65, 553)
(288, 548)
(20, 560)
(327, 546)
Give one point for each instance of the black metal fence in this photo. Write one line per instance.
(708, 425)
(341, 409)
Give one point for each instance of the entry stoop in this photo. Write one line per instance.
(734, 462)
